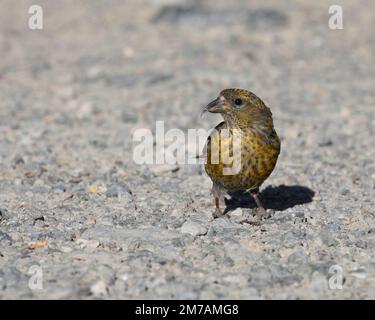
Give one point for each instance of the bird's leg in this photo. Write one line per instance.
(216, 192)
(261, 212)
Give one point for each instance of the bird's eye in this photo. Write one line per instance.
(238, 102)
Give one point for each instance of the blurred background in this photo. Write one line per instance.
(72, 93)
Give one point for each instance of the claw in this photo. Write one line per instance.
(262, 213)
(217, 214)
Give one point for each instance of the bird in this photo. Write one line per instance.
(246, 140)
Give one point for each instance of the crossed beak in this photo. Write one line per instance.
(217, 106)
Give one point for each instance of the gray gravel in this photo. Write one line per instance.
(74, 204)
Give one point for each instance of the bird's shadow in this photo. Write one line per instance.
(277, 198)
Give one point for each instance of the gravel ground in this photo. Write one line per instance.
(75, 205)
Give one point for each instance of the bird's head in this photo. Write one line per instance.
(241, 108)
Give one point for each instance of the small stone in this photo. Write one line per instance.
(38, 244)
(194, 228)
(90, 220)
(92, 244)
(38, 183)
(359, 273)
(299, 214)
(186, 293)
(129, 117)
(124, 277)
(102, 189)
(107, 220)
(93, 188)
(85, 110)
(178, 222)
(147, 173)
(82, 242)
(66, 249)
(3, 214)
(319, 282)
(99, 288)
(60, 187)
(328, 238)
(18, 160)
(29, 194)
(289, 239)
(237, 213)
(261, 276)
(68, 195)
(298, 258)
(344, 192)
(118, 190)
(163, 168)
(4, 236)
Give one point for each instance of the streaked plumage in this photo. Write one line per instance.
(247, 116)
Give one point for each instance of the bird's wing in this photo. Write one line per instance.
(221, 125)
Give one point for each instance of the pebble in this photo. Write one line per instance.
(359, 273)
(99, 288)
(118, 190)
(194, 228)
(4, 236)
(163, 168)
(66, 249)
(238, 215)
(298, 258)
(3, 214)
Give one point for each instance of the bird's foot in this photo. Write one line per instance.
(217, 213)
(262, 213)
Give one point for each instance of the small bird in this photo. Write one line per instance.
(248, 119)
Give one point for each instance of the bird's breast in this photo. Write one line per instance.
(251, 156)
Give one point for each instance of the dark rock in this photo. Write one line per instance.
(4, 214)
(117, 190)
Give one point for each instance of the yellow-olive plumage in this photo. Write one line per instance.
(245, 117)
